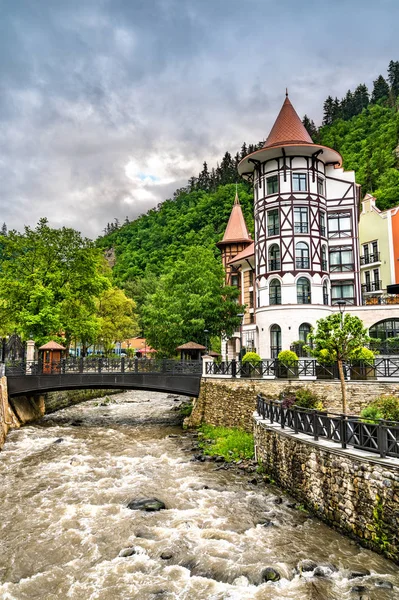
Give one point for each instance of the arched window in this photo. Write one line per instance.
(274, 258)
(324, 258)
(275, 340)
(303, 291)
(302, 255)
(383, 330)
(275, 292)
(325, 293)
(304, 331)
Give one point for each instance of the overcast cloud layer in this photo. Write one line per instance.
(107, 106)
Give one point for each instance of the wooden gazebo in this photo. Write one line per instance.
(191, 351)
(50, 356)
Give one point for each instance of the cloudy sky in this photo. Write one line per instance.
(107, 106)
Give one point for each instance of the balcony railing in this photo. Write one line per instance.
(322, 231)
(273, 230)
(274, 265)
(372, 286)
(381, 437)
(304, 299)
(342, 267)
(370, 258)
(302, 263)
(301, 228)
(381, 299)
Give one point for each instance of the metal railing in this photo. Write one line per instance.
(370, 258)
(382, 367)
(381, 437)
(103, 365)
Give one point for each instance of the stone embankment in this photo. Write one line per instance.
(348, 489)
(231, 402)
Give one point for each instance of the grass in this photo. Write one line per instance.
(231, 443)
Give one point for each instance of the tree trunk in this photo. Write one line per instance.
(343, 386)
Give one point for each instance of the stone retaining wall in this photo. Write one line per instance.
(231, 402)
(359, 495)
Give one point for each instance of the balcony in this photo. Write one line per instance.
(273, 230)
(372, 286)
(367, 259)
(274, 265)
(342, 268)
(302, 263)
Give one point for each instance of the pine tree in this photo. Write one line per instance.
(336, 110)
(393, 77)
(328, 111)
(310, 127)
(380, 90)
(244, 151)
(4, 229)
(360, 98)
(203, 178)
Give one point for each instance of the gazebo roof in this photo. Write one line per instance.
(52, 346)
(191, 346)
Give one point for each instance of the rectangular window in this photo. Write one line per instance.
(301, 224)
(341, 259)
(272, 184)
(339, 225)
(299, 182)
(251, 299)
(343, 290)
(251, 317)
(251, 278)
(322, 223)
(273, 222)
(234, 280)
(320, 186)
(376, 278)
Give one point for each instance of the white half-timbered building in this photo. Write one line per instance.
(305, 259)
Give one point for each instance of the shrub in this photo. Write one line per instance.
(251, 357)
(326, 357)
(231, 443)
(383, 407)
(302, 397)
(288, 357)
(363, 355)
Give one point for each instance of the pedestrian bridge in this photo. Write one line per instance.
(35, 377)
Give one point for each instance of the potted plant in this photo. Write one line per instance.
(287, 365)
(362, 364)
(326, 364)
(250, 362)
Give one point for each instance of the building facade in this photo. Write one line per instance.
(304, 263)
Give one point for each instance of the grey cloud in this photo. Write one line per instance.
(90, 87)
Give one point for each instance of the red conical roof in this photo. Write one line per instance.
(236, 230)
(288, 128)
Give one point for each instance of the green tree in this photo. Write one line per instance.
(189, 298)
(328, 111)
(339, 335)
(380, 90)
(310, 127)
(393, 77)
(43, 272)
(116, 318)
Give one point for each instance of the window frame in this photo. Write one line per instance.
(297, 180)
(300, 296)
(301, 225)
(274, 261)
(273, 229)
(272, 179)
(302, 261)
(275, 284)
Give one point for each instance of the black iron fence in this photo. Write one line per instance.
(103, 365)
(380, 367)
(381, 437)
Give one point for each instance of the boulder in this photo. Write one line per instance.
(270, 574)
(358, 573)
(306, 565)
(127, 552)
(147, 504)
(385, 585)
(166, 555)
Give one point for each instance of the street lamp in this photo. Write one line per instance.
(241, 315)
(206, 331)
(341, 305)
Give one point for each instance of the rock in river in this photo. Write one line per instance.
(147, 504)
(270, 574)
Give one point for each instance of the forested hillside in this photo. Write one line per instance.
(362, 126)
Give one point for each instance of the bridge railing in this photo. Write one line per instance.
(380, 437)
(103, 365)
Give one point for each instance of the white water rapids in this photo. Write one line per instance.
(65, 486)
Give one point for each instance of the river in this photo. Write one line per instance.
(65, 485)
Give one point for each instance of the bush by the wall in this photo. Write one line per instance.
(251, 357)
(383, 407)
(288, 357)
